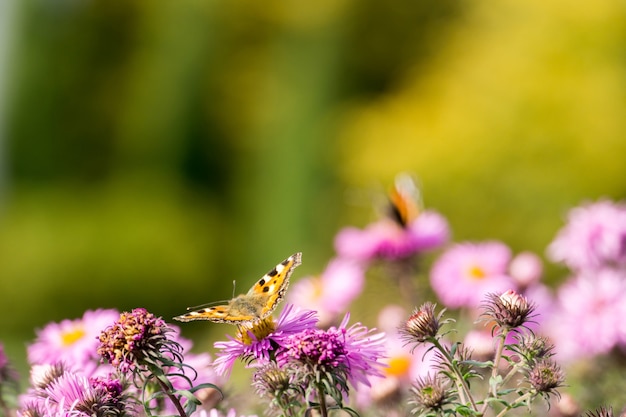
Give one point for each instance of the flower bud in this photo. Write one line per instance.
(509, 310)
(421, 326)
(429, 394)
(545, 377)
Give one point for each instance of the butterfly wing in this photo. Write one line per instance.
(272, 286)
(217, 314)
(257, 304)
(405, 199)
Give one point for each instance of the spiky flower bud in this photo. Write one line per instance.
(41, 376)
(276, 385)
(270, 380)
(600, 412)
(532, 349)
(545, 377)
(508, 310)
(423, 325)
(429, 394)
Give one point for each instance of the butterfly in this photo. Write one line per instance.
(405, 200)
(256, 304)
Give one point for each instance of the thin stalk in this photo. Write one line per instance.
(172, 397)
(519, 400)
(464, 391)
(512, 372)
(322, 401)
(496, 362)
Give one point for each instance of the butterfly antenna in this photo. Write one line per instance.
(212, 303)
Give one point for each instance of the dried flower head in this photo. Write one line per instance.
(545, 377)
(137, 339)
(508, 310)
(429, 394)
(423, 325)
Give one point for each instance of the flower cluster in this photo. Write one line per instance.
(592, 245)
(529, 366)
(513, 336)
(112, 364)
(398, 239)
(297, 361)
(60, 391)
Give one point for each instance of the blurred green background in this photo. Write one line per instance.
(153, 151)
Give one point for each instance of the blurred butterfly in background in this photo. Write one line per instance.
(405, 200)
(256, 304)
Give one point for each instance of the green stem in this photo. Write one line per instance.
(512, 372)
(322, 401)
(496, 362)
(519, 400)
(464, 391)
(172, 397)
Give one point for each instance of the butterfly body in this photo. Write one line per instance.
(405, 200)
(257, 303)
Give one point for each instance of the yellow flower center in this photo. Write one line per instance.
(71, 337)
(317, 288)
(260, 330)
(476, 273)
(398, 366)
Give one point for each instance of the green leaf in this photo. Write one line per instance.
(494, 382)
(479, 364)
(464, 410)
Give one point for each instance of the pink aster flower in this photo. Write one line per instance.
(73, 394)
(466, 272)
(594, 236)
(589, 317)
(73, 342)
(259, 342)
(387, 239)
(331, 293)
(526, 269)
(340, 353)
(401, 368)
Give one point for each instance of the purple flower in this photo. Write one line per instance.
(73, 394)
(387, 239)
(331, 293)
(137, 340)
(72, 341)
(466, 272)
(589, 317)
(354, 353)
(258, 342)
(594, 236)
